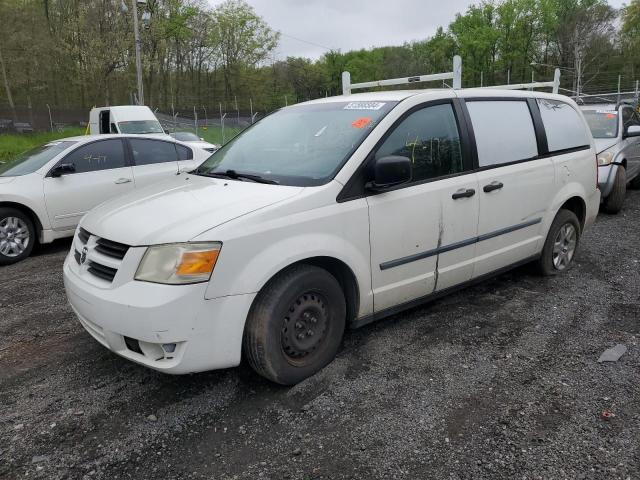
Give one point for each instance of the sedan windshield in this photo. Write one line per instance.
(140, 127)
(34, 159)
(603, 123)
(302, 145)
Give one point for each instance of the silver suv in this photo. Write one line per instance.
(616, 130)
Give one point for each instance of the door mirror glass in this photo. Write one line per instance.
(633, 131)
(63, 169)
(390, 171)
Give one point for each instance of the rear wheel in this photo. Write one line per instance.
(561, 244)
(17, 236)
(613, 203)
(296, 325)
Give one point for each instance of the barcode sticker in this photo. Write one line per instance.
(364, 106)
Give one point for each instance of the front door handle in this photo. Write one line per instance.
(120, 181)
(464, 193)
(493, 186)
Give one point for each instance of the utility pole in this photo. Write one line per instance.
(136, 34)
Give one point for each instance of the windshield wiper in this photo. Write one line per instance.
(233, 175)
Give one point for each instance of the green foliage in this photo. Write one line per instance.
(12, 145)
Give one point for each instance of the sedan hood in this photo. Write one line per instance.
(179, 209)
(603, 144)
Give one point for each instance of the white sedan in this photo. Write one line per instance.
(195, 141)
(45, 192)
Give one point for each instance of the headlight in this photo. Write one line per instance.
(605, 158)
(179, 263)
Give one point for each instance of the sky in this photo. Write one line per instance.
(311, 27)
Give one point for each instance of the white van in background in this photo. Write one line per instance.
(132, 119)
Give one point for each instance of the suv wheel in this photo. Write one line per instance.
(561, 244)
(17, 236)
(295, 325)
(613, 203)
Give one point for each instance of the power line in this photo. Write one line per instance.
(306, 41)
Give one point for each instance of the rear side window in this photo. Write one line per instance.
(563, 125)
(429, 138)
(149, 152)
(504, 131)
(102, 155)
(184, 153)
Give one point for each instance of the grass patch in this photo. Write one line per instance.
(12, 145)
(214, 134)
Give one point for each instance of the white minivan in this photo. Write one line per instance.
(332, 213)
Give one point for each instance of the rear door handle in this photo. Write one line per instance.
(493, 186)
(122, 180)
(464, 193)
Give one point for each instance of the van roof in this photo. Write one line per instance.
(436, 93)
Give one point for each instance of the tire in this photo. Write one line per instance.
(635, 183)
(613, 203)
(302, 300)
(17, 236)
(546, 263)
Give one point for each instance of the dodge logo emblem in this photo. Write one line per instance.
(83, 255)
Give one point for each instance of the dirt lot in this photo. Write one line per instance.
(498, 381)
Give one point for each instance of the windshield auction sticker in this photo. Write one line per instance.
(361, 122)
(364, 106)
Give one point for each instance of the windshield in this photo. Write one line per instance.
(603, 123)
(32, 160)
(186, 137)
(302, 145)
(140, 127)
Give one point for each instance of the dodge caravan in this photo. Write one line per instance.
(331, 214)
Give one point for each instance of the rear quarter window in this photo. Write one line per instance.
(563, 125)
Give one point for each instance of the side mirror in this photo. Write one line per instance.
(388, 172)
(633, 131)
(63, 169)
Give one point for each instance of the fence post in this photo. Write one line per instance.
(50, 120)
(251, 108)
(619, 80)
(195, 118)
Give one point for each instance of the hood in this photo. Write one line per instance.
(603, 144)
(179, 209)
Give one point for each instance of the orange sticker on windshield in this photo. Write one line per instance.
(361, 122)
(610, 115)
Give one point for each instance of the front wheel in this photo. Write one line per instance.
(296, 325)
(561, 244)
(613, 203)
(17, 236)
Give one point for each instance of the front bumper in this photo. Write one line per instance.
(135, 319)
(606, 179)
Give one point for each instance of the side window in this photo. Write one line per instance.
(148, 152)
(504, 131)
(184, 153)
(430, 138)
(629, 117)
(563, 125)
(101, 155)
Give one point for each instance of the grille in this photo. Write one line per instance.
(83, 235)
(111, 249)
(102, 271)
(105, 247)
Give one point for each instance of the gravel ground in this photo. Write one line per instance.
(498, 381)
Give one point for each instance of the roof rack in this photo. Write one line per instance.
(455, 76)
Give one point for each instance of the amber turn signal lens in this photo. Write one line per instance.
(197, 263)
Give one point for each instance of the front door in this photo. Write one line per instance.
(101, 172)
(422, 234)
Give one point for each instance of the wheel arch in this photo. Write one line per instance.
(27, 211)
(342, 273)
(577, 205)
